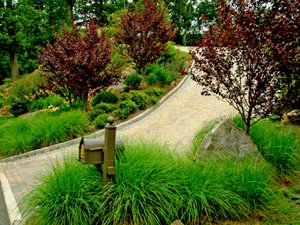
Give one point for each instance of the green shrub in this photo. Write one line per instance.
(152, 100)
(125, 109)
(125, 96)
(101, 121)
(23, 92)
(278, 145)
(94, 114)
(45, 102)
(133, 81)
(155, 91)
(19, 106)
(140, 98)
(104, 96)
(106, 107)
(156, 73)
(68, 195)
(152, 79)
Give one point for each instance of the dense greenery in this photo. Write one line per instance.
(153, 185)
(278, 145)
(23, 134)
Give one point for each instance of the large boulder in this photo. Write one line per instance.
(227, 140)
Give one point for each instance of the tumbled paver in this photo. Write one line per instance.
(175, 121)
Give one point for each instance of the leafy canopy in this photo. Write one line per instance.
(245, 54)
(76, 65)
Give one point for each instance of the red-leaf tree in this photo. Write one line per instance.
(76, 65)
(237, 61)
(145, 33)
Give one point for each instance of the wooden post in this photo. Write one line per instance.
(108, 166)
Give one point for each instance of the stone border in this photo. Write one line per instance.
(100, 132)
(10, 201)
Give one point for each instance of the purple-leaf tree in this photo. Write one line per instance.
(236, 60)
(75, 65)
(145, 33)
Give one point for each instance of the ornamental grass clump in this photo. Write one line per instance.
(147, 188)
(68, 195)
(25, 134)
(278, 145)
(152, 186)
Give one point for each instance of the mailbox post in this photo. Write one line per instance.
(108, 167)
(102, 153)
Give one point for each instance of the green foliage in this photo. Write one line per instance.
(125, 109)
(45, 102)
(133, 81)
(100, 121)
(106, 107)
(24, 91)
(225, 189)
(24, 134)
(278, 145)
(94, 114)
(152, 79)
(68, 195)
(152, 186)
(157, 73)
(140, 98)
(125, 96)
(155, 91)
(18, 107)
(104, 96)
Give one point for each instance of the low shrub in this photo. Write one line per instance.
(278, 145)
(24, 134)
(156, 72)
(155, 91)
(94, 114)
(100, 121)
(45, 102)
(125, 96)
(106, 107)
(133, 81)
(152, 79)
(19, 106)
(125, 109)
(104, 96)
(68, 195)
(139, 98)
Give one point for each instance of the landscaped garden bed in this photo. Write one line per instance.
(45, 118)
(153, 185)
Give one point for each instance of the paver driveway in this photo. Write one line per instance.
(175, 121)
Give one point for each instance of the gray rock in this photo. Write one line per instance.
(128, 71)
(177, 222)
(227, 140)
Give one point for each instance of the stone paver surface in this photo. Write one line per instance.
(176, 121)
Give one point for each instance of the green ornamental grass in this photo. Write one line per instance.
(68, 195)
(279, 145)
(24, 134)
(152, 186)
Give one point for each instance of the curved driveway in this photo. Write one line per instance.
(176, 121)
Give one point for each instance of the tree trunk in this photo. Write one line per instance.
(14, 65)
(70, 11)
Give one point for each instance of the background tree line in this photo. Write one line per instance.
(27, 25)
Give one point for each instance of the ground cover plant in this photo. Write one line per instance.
(154, 186)
(23, 134)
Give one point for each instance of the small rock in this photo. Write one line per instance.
(227, 140)
(128, 71)
(292, 117)
(177, 222)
